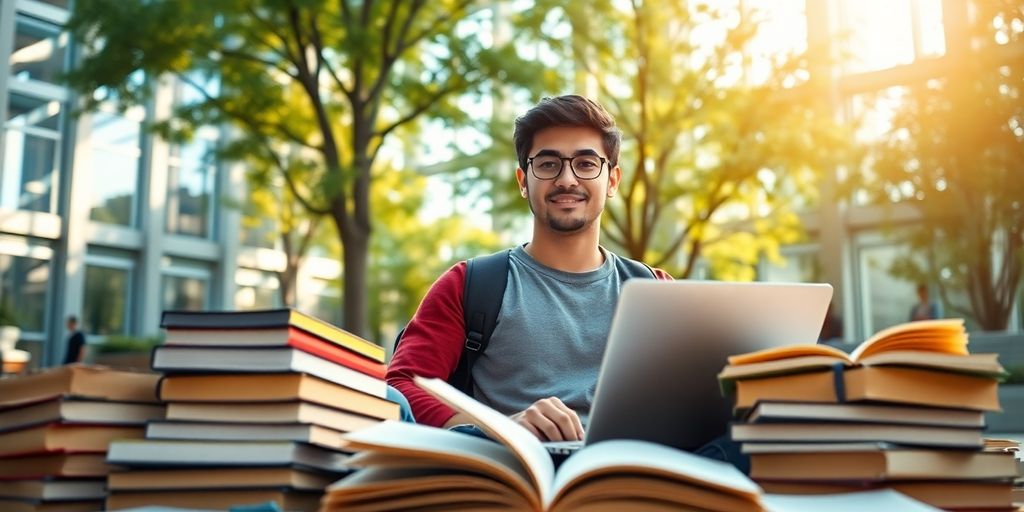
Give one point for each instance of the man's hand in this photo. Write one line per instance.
(551, 420)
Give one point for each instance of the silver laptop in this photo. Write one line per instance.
(667, 343)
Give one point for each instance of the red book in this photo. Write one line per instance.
(271, 338)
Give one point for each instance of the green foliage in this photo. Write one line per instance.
(954, 153)
(8, 315)
(333, 80)
(707, 146)
(409, 252)
(1016, 375)
(118, 344)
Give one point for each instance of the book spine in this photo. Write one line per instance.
(338, 354)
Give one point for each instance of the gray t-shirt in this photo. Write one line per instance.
(550, 337)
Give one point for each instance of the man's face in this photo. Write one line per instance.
(568, 204)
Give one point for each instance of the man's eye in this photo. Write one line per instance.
(547, 164)
(586, 164)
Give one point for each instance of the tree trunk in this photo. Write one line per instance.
(355, 257)
(286, 278)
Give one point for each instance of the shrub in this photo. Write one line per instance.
(115, 344)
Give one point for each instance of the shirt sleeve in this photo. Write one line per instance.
(431, 346)
(661, 275)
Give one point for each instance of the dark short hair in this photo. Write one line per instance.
(72, 318)
(569, 110)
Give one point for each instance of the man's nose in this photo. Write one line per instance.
(567, 178)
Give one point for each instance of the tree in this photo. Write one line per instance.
(411, 252)
(706, 143)
(954, 153)
(272, 204)
(337, 77)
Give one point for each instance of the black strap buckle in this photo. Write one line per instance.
(473, 341)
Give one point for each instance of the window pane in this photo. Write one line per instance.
(26, 111)
(184, 293)
(38, 52)
(932, 37)
(115, 168)
(327, 297)
(190, 189)
(24, 282)
(888, 299)
(256, 289)
(29, 172)
(876, 34)
(105, 309)
(256, 231)
(801, 267)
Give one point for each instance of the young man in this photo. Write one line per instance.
(542, 362)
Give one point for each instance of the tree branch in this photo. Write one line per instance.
(273, 29)
(319, 45)
(419, 109)
(388, 59)
(346, 13)
(440, 20)
(674, 246)
(252, 123)
(253, 58)
(289, 181)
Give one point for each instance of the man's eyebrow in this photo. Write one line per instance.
(551, 152)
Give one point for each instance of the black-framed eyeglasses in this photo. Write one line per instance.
(549, 167)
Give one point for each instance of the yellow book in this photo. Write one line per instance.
(243, 323)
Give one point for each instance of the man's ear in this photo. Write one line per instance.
(521, 179)
(614, 177)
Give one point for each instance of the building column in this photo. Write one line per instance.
(834, 252)
(231, 190)
(153, 221)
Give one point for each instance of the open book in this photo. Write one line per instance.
(921, 363)
(931, 344)
(410, 466)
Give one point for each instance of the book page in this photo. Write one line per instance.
(944, 336)
(887, 499)
(777, 367)
(982, 365)
(420, 445)
(624, 456)
(523, 444)
(394, 488)
(788, 352)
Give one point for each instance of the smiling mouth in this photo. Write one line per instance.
(567, 200)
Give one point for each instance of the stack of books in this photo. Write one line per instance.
(55, 429)
(257, 402)
(905, 410)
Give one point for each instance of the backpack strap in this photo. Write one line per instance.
(486, 278)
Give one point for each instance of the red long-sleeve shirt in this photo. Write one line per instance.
(431, 346)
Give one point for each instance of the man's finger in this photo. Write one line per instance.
(570, 425)
(562, 416)
(542, 422)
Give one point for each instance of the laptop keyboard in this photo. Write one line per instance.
(562, 447)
